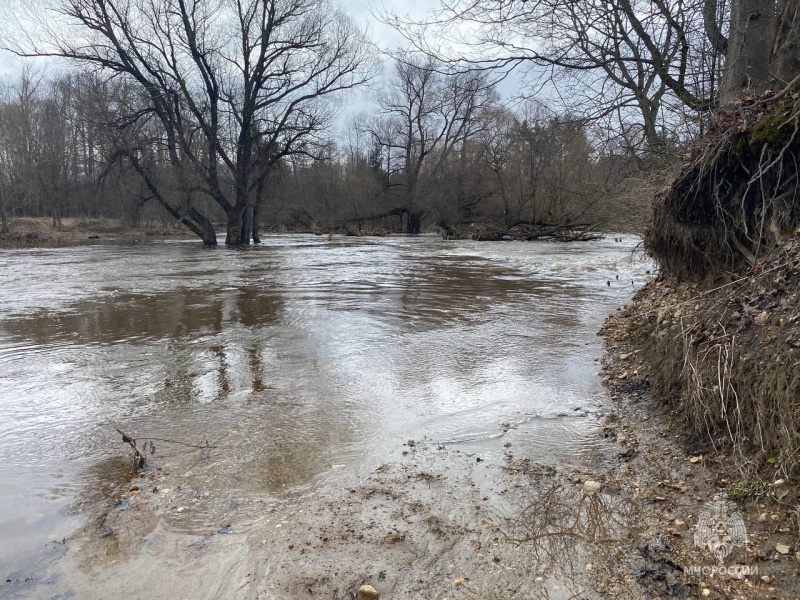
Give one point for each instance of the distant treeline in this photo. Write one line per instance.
(438, 153)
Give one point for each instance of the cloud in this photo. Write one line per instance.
(9, 64)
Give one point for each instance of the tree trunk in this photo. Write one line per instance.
(786, 46)
(207, 232)
(262, 184)
(239, 226)
(747, 61)
(414, 222)
(3, 217)
(256, 238)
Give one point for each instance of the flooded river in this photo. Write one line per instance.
(299, 365)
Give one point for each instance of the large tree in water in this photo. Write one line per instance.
(234, 86)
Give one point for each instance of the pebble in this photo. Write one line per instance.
(367, 592)
(680, 526)
(592, 486)
(782, 548)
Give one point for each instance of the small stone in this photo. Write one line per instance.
(589, 567)
(680, 526)
(367, 592)
(706, 592)
(762, 518)
(779, 482)
(592, 486)
(765, 579)
(782, 548)
(695, 459)
(180, 509)
(458, 582)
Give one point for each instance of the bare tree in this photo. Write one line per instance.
(235, 85)
(629, 61)
(425, 115)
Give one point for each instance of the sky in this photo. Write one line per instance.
(361, 10)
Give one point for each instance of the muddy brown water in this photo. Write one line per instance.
(302, 361)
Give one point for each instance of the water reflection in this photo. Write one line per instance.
(140, 317)
(298, 356)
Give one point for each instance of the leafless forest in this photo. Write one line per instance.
(249, 115)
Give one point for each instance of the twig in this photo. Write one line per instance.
(138, 458)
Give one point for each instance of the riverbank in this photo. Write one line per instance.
(437, 520)
(714, 364)
(29, 232)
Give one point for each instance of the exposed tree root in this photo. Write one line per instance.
(737, 197)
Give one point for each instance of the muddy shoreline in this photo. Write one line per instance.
(28, 232)
(683, 474)
(439, 522)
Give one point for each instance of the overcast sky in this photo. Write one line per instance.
(361, 10)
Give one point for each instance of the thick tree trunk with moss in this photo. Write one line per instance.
(749, 50)
(786, 45)
(762, 49)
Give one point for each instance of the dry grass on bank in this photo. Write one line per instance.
(39, 231)
(726, 358)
